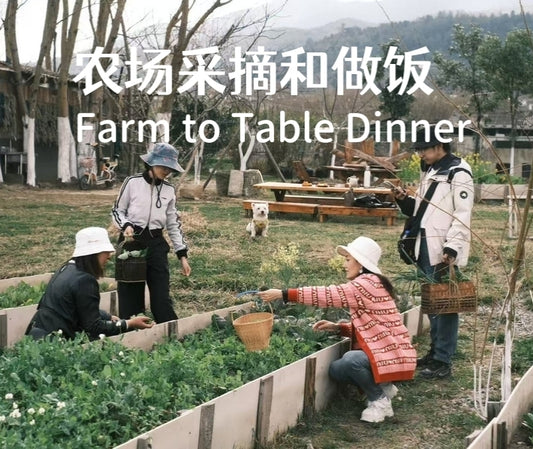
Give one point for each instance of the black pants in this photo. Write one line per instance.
(131, 294)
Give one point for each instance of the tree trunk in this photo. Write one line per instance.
(29, 147)
(245, 156)
(67, 164)
(198, 157)
(46, 42)
(162, 132)
(106, 21)
(11, 43)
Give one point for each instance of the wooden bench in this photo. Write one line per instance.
(282, 206)
(387, 213)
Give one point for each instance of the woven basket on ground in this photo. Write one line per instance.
(254, 329)
(449, 297)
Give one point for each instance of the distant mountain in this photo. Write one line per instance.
(308, 14)
(289, 38)
(435, 32)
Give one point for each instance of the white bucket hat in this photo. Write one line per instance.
(92, 240)
(365, 250)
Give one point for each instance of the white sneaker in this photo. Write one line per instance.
(389, 389)
(378, 410)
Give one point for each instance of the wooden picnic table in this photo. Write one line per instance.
(281, 188)
(323, 200)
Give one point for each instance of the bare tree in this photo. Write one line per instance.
(66, 155)
(186, 30)
(105, 32)
(28, 112)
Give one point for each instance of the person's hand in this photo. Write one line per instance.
(185, 267)
(114, 318)
(270, 294)
(447, 259)
(128, 232)
(399, 192)
(140, 322)
(325, 325)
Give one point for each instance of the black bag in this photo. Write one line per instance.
(407, 241)
(367, 200)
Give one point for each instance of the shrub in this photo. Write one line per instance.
(409, 169)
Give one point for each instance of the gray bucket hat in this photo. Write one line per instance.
(165, 155)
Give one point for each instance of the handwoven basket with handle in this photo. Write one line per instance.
(254, 329)
(449, 297)
(132, 269)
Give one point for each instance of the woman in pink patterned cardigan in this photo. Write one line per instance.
(381, 346)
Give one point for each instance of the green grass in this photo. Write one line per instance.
(37, 234)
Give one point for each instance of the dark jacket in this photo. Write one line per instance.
(71, 303)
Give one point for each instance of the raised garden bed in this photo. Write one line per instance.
(100, 394)
(119, 371)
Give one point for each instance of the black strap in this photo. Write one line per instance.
(455, 170)
(414, 224)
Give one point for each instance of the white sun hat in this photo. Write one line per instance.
(92, 240)
(365, 250)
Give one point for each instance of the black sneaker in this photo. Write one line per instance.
(437, 370)
(425, 361)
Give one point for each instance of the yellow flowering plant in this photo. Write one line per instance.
(336, 263)
(283, 265)
(409, 169)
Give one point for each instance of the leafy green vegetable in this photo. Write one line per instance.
(21, 295)
(73, 394)
(24, 294)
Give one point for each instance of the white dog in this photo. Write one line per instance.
(259, 224)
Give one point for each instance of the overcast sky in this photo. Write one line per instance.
(296, 13)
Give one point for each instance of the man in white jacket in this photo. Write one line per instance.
(444, 235)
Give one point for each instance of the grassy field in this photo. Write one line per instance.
(37, 229)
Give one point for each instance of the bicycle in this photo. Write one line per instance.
(106, 175)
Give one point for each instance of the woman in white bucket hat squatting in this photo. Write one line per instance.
(381, 350)
(71, 301)
(145, 206)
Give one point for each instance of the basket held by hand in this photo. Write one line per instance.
(449, 297)
(130, 261)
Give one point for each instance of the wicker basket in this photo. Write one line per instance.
(132, 269)
(254, 329)
(449, 297)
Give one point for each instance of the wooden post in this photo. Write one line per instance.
(144, 443)
(207, 417)
(309, 387)
(493, 409)
(264, 408)
(172, 328)
(3, 331)
(420, 322)
(113, 306)
(501, 435)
